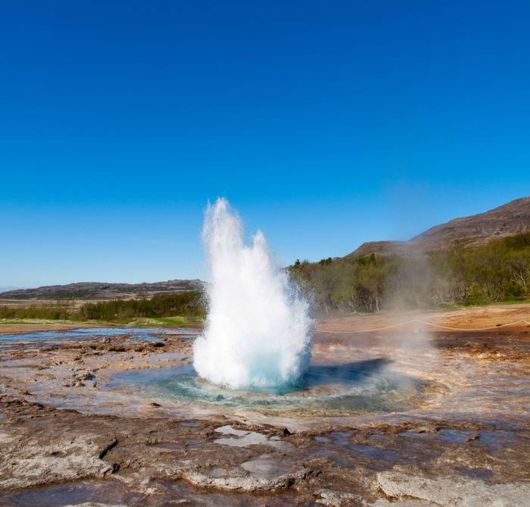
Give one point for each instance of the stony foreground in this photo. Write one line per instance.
(67, 438)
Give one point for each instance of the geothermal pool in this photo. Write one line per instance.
(355, 387)
(255, 350)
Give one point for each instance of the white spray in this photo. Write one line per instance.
(258, 330)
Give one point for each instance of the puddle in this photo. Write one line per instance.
(457, 436)
(338, 457)
(179, 492)
(138, 333)
(343, 439)
(113, 492)
(339, 438)
(496, 440)
(242, 438)
(59, 495)
(378, 453)
(266, 466)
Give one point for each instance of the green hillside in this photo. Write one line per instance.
(494, 272)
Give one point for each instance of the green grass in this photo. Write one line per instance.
(515, 302)
(12, 322)
(174, 321)
(165, 321)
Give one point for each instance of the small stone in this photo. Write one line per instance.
(336, 498)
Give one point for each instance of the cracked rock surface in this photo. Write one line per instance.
(67, 438)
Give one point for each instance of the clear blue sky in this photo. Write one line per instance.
(325, 123)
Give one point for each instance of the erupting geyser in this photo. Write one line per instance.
(258, 330)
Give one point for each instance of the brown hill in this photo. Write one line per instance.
(506, 220)
(102, 291)
(379, 247)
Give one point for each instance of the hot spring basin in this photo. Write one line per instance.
(356, 387)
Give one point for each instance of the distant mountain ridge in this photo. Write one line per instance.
(506, 220)
(8, 288)
(102, 291)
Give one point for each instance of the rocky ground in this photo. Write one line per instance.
(68, 436)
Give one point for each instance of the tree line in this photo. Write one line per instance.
(184, 304)
(494, 272)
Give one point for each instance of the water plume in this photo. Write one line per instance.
(258, 329)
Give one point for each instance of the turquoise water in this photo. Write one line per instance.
(364, 386)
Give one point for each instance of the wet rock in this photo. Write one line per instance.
(479, 432)
(403, 503)
(243, 438)
(451, 491)
(5, 438)
(243, 481)
(29, 463)
(96, 504)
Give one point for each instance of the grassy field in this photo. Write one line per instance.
(163, 309)
(8, 326)
(176, 321)
(146, 321)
